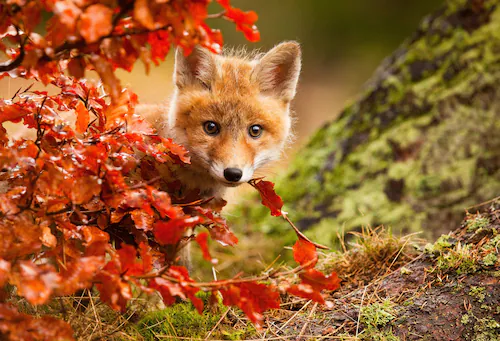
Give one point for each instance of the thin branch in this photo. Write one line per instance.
(11, 65)
(303, 236)
(209, 285)
(216, 15)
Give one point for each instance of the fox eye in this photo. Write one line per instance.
(255, 131)
(211, 128)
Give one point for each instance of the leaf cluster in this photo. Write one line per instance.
(98, 202)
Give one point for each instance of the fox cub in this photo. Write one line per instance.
(232, 112)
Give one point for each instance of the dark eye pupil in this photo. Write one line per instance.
(211, 128)
(255, 130)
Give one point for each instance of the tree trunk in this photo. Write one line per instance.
(419, 146)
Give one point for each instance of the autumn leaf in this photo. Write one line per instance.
(167, 289)
(35, 282)
(142, 220)
(76, 67)
(304, 253)
(170, 232)
(4, 271)
(95, 22)
(82, 117)
(18, 326)
(142, 13)
(113, 290)
(269, 197)
(202, 240)
(116, 112)
(252, 298)
(79, 273)
(306, 291)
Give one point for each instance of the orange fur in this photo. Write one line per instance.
(235, 92)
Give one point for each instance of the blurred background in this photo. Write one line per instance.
(342, 41)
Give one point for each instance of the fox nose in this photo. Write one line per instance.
(233, 174)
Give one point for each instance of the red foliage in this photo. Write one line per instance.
(269, 197)
(202, 240)
(304, 253)
(252, 298)
(72, 192)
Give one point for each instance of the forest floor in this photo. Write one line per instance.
(394, 288)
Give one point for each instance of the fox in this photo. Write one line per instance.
(231, 112)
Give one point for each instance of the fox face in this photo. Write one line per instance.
(233, 113)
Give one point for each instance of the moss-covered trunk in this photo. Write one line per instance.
(419, 146)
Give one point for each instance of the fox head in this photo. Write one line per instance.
(233, 113)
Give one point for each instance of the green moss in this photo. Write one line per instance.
(465, 319)
(179, 320)
(377, 314)
(375, 335)
(477, 223)
(479, 293)
(490, 259)
(405, 271)
(486, 329)
(376, 318)
(461, 259)
(440, 245)
(182, 320)
(486, 307)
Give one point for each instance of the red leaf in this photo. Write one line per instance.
(4, 271)
(170, 232)
(253, 298)
(17, 326)
(142, 13)
(304, 253)
(313, 283)
(82, 117)
(177, 150)
(319, 281)
(202, 240)
(269, 197)
(130, 265)
(167, 289)
(35, 282)
(95, 22)
(181, 274)
(113, 290)
(306, 291)
(217, 226)
(76, 67)
(115, 113)
(142, 220)
(162, 202)
(79, 273)
(96, 241)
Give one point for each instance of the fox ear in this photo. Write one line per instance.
(278, 71)
(197, 68)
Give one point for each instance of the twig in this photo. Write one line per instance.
(307, 321)
(216, 15)
(11, 65)
(303, 236)
(217, 324)
(359, 313)
(280, 329)
(218, 284)
(484, 203)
